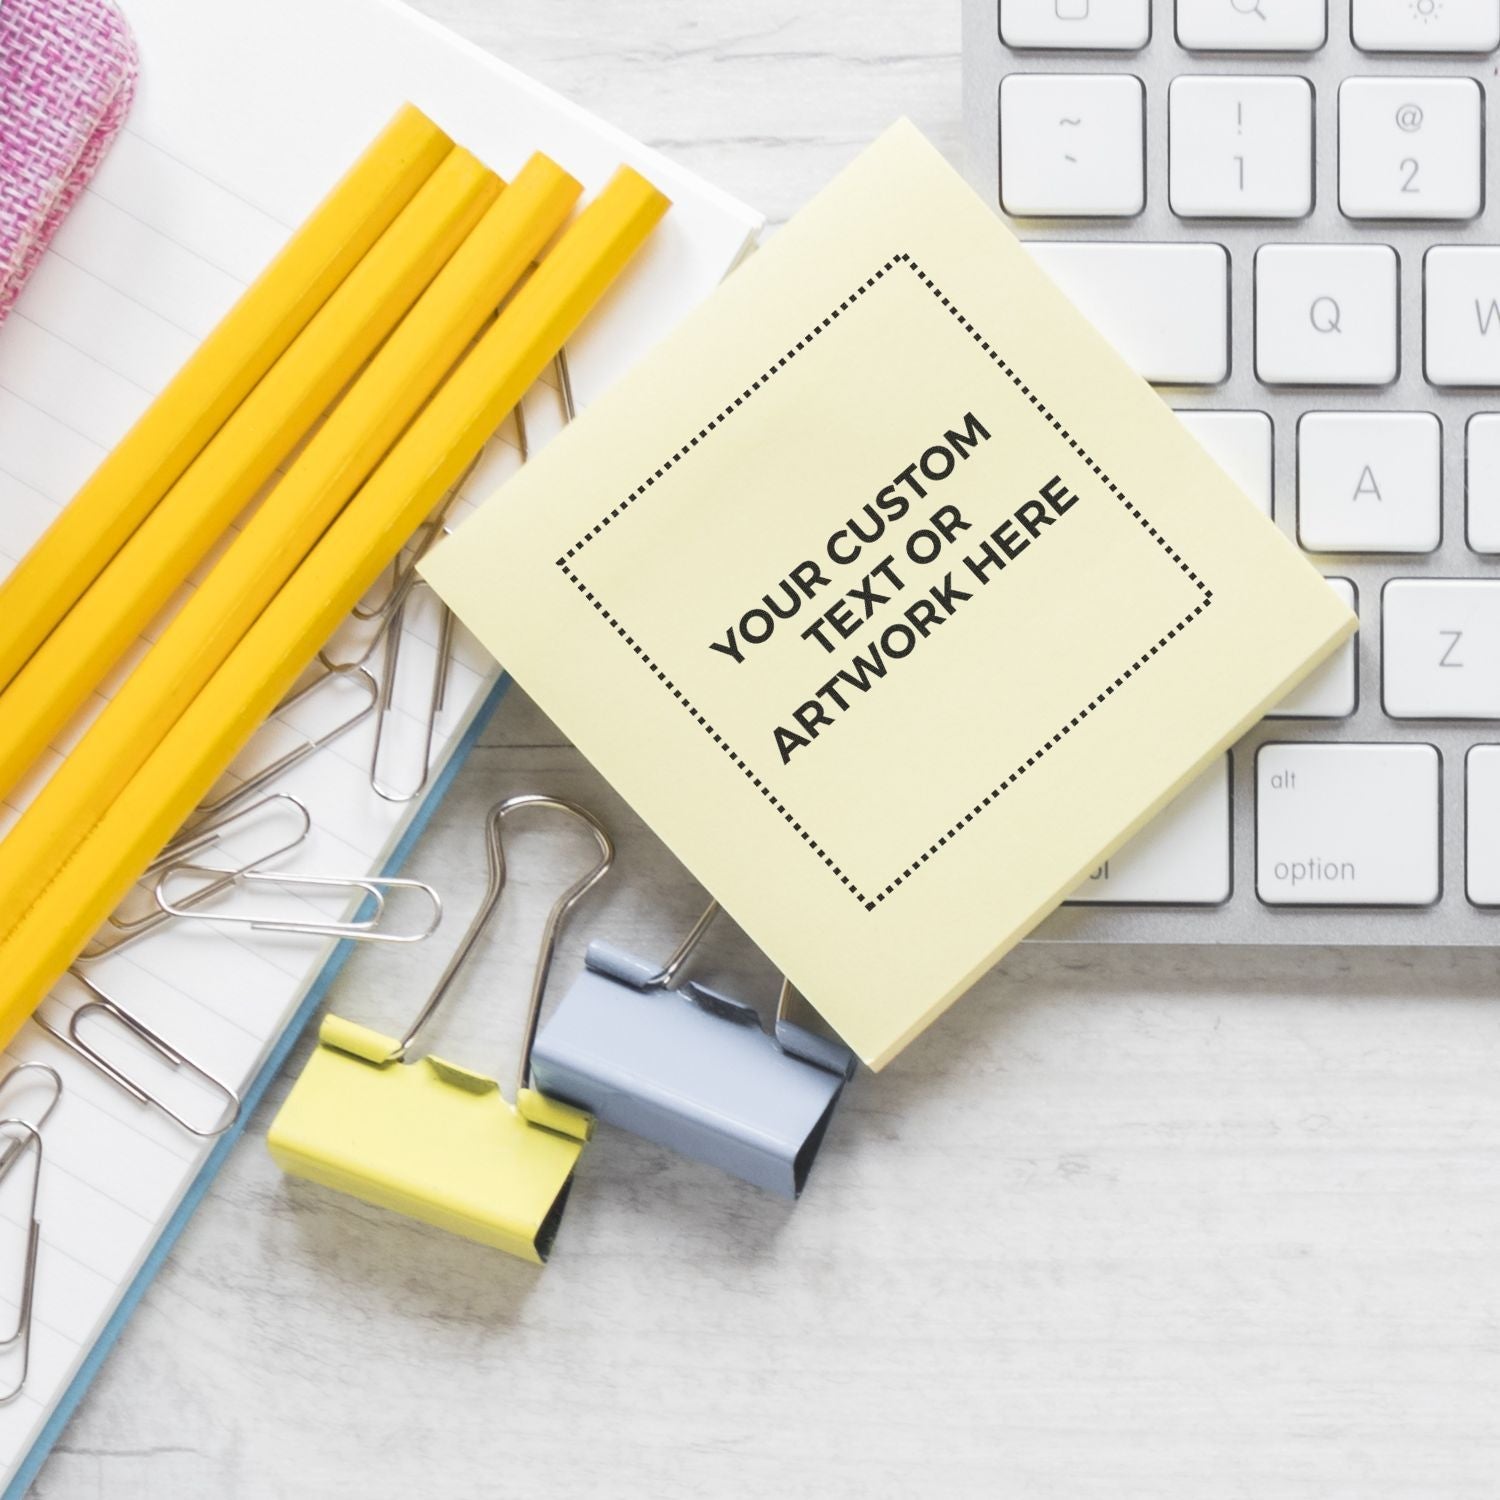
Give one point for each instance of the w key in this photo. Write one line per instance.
(1463, 315)
(1441, 648)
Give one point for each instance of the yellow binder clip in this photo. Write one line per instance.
(433, 1140)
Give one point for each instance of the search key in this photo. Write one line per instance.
(1252, 25)
(1326, 314)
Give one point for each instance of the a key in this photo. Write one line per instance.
(1347, 825)
(1105, 25)
(1072, 144)
(1164, 307)
(1440, 644)
(1369, 481)
(1326, 314)
(1241, 148)
(1240, 443)
(1332, 691)
(1427, 25)
(1180, 858)
(1410, 148)
(1482, 469)
(1482, 824)
(1463, 314)
(1252, 25)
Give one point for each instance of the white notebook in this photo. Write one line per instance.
(245, 115)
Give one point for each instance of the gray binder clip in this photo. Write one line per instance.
(691, 1068)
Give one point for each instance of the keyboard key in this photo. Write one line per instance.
(1326, 314)
(1331, 692)
(1180, 858)
(1483, 473)
(1440, 642)
(1347, 825)
(1072, 144)
(1252, 25)
(1411, 148)
(1463, 315)
(1482, 824)
(1164, 307)
(1427, 25)
(1369, 481)
(1241, 148)
(1105, 25)
(1240, 443)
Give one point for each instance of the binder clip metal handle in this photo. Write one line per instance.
(691, 1068)
(790, 1036)
(495, 852)
(427, 1137)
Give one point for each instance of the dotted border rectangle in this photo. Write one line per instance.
(871, 900)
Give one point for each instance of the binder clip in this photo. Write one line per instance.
(691, 1068)
(432, 1139)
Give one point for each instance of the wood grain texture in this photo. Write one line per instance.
(1127, 1225)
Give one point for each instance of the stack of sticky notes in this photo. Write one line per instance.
(369, 363)
(889, 596)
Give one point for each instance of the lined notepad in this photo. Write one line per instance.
(245, 114)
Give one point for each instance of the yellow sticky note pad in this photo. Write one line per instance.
(888, 595)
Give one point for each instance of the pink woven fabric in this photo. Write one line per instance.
(67, 74)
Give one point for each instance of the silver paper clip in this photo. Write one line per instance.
(9, 1151)
(366, 926)
(403, 585)
(436, 696)
(403, 573)
(691, 1068)
(311, 744)
(178, 1061)
(26, 1138)
(121, 930)
(392, 616)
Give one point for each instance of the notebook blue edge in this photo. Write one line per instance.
(251, 1098)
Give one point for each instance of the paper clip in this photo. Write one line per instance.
(9, 1151)
(432, 1139)
(691, 1068)
(364, 927)
(120, 930)
(437, 694)
(106, 1007)
(28, 1139)
(392, 615)
(311, 744)
(403, 575)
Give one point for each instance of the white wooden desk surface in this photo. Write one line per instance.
(1179, 1225)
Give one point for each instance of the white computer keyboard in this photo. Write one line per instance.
(1279, 211)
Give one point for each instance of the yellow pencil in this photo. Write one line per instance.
(62, 914)
(336, 461)
(194, 514)
(218, 376)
